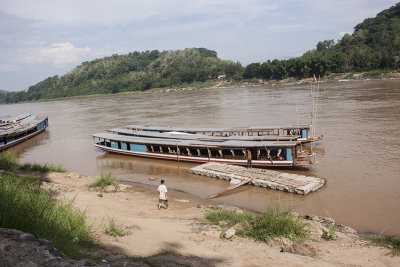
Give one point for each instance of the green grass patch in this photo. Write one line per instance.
(331, 234)
(30, 180)
(276, 221)
(104, 180)
(8, 161)
(55, 167)
(42, 168)
(373, 74)
(113, 229)
(253, 81)
(391, 242)
(350, 75)
(226, 218)
(27, 207)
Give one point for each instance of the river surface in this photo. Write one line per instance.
(359, 156)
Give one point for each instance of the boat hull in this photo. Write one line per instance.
(196, 159)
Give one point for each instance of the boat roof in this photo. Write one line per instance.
(189, 136)
(196, 143)
(7, 120)
(235, 129)
(25, 124)
(16, 118)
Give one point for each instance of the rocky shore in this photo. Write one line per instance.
(177, 236)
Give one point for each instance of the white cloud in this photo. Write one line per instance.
(57, 54)
(248, 31)
(7, 68)
(287, 27)
(75, 12)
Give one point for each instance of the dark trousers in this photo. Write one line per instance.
(249, 163)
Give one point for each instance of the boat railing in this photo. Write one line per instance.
(271, 158)
(234, 157)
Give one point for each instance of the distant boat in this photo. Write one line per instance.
(238, 152)
(344, 80)
(18, 129)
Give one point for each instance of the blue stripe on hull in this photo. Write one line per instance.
(194, 159)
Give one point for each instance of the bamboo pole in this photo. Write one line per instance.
(230, 188)
(177, 151)
(312, 113)
(315, 114)
(316, 108)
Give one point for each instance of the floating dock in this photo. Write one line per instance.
(288, 182)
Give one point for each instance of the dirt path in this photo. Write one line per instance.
(175, 236)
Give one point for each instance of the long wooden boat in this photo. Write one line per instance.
(263, 153)
(4, 122)
(301, 133)
(200, 137)
(14, 131)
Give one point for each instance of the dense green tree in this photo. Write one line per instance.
(374, 44)
(252, 71)
(132, 72)
(325, 45)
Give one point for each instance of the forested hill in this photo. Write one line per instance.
(135, 71)
(374, 45)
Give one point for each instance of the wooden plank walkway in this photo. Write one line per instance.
(293, 183)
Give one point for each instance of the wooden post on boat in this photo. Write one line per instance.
(177, 151)
(230, 188)
(269, 155)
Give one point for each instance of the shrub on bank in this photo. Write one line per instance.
(113, 229)
(27, 207)
(104, 180)
(8, 161)
(373, 74)
(42, 168)
(391, 242)
(276, 221)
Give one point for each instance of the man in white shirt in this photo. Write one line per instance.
(162, 191)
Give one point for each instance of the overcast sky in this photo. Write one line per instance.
(42, 38)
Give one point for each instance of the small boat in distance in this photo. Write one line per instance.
(300, 133)
(16, 130)
(238, 152)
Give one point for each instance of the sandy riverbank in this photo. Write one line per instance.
(175, 236)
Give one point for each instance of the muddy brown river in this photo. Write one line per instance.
(360, 156)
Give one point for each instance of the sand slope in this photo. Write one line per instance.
(176, 237)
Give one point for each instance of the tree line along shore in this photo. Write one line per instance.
(372, 50)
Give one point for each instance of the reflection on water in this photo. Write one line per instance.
(359, 156)
(32, 143)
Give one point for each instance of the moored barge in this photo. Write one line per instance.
(260, 153)
(16, 130)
